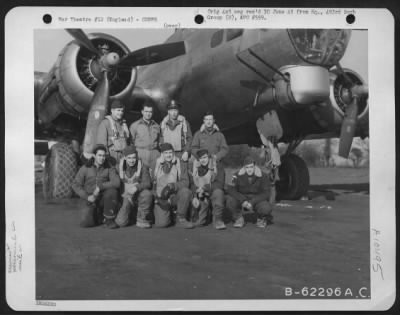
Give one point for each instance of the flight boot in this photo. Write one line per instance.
(110, 224)
(219, 224)
(183, 223)
(261, 223)
(239, 223)
(143, 224)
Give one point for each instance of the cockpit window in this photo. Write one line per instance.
(320, 46)
(233, 33)
(217, 38)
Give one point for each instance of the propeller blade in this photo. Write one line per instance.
(360, 90)
(82, 39)
(153, 54)
(348, 128)
(98, 109)
(346, 77)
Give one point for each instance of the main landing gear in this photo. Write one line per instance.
(294, 178)
(288, 173)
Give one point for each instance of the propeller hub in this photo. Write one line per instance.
(347, 96)
(360, 90)
(111, 59)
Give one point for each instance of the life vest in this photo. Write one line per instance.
(201, 181)
(163, 179)
(122, 174)
(175, 136)
(134, 179)
(118, 139)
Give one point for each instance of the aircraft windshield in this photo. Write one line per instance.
(320, 46)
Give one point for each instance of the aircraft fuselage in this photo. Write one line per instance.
(217, 74)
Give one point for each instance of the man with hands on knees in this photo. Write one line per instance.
(171, 189)
(97, 183)
(250, 192)
(207, 183)
(136, 191)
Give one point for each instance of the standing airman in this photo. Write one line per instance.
(145, 134)
(209, 137)
(175, 129)
(113, 132)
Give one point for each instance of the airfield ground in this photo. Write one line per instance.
(314, 243)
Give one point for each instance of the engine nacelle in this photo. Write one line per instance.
(300, 86)
(330, 113)
(73, 79)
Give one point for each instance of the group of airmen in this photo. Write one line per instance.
(160, 175)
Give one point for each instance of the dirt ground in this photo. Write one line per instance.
(317, 243)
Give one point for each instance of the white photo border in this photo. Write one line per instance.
(20, 24)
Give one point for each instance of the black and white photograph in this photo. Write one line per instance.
(201, 164)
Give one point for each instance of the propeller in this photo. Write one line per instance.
(140, 57)
(104, 64)
(348, 128)
(83, 40)
(351, 96)
(153, 54)
(98, 109)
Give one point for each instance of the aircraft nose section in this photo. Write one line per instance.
(320, 46)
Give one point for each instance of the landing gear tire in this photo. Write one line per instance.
(59, 171)
(294, 178)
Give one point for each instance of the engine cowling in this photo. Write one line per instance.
(330, 113)
(324, 92)
(297, 87)
(74, 78)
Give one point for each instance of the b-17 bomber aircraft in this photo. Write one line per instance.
(241, 75)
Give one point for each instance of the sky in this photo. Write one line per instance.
(49, 43)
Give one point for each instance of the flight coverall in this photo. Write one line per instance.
(212, 179)
(214, 141)
(106, 205)
(177, 133)
(115, 136)
(174, 175)
(142, 199)
(254, 189)
(145, 136)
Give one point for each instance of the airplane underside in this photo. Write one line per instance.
(262, 94)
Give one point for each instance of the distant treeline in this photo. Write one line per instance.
(316, 153)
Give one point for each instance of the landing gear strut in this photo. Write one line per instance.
(289, 172)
